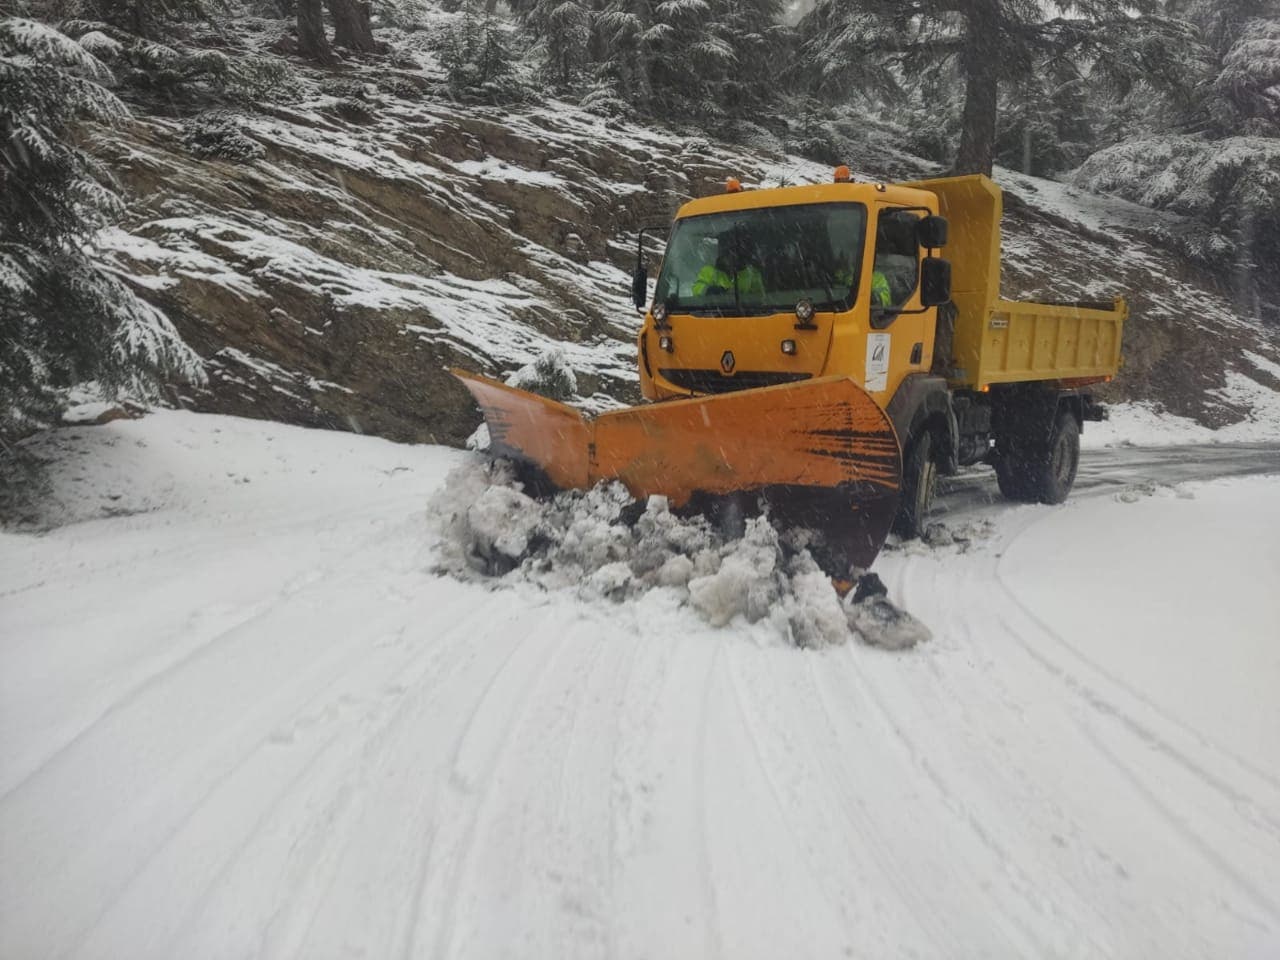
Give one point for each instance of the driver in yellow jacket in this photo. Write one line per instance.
(714, 279)
(735, 270)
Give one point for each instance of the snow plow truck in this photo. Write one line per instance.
(825, 352)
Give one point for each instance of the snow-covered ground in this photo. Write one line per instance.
(1144, 424)
(241, 716)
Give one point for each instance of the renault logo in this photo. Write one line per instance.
(727, 361)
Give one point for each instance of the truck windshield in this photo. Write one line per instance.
(754, 262)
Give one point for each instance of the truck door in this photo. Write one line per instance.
(904, 335)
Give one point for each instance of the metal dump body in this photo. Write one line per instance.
(1006, 341)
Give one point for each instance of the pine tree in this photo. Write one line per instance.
(1249, 78)
(1046, 122)
(477, 57)
(991, 42)
(680, 54)
(622, 27)
(562, 30)
(752, 31)
(62, 318)
(1243, 38)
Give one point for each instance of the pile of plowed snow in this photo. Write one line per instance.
(604, 545)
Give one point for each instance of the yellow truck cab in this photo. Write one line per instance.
(816, 244)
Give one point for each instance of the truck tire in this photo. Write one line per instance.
(1041, 473)
(919, 478)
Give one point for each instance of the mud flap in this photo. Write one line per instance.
(820, 452)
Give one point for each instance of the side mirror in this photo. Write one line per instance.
(935, 281)
(931, 232)
(640, 287)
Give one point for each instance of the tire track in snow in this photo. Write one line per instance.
(1191, 836)
(636, 778)
(479, 824)
(764, 771)
(408, 939)
(339, 676)
(614, 846)
(1101, 707)
(1026, 936)
(130, 696)
(433, 862)
(712, 913)
(983, 589)
(162, 685)
(316, 582)
(367, 749)
(335, 833)
(1108, 705)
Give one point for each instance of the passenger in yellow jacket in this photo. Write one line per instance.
(881, 295)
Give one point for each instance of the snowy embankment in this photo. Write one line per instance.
(240, 715)
(1144, 424)
(333, 279)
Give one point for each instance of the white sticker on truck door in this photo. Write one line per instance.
(877, 362)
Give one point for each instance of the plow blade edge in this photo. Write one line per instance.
(821, 452)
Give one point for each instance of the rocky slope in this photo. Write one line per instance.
(377, 234)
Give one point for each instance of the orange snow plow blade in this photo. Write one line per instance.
(821, 453)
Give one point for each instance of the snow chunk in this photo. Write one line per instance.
(604, 546)
(745, 584)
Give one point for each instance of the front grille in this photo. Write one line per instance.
(712, 381)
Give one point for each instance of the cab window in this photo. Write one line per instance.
(896, 270)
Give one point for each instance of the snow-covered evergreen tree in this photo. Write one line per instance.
(1046, 125)
(63, 319)
(478, 56)
(562, 31)
(1245, 36)
(752, 31)
(623, 68)
(678, 54)
(882, 46)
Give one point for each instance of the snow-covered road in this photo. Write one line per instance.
(240, 717)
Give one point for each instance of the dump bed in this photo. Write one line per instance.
(1006, 341)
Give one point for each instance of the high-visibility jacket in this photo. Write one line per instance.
(881, 295)
(749, 280)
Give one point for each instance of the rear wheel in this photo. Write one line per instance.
(1042, 472)
(919, 480)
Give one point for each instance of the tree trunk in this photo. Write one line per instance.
(351, 27)
(597, 43)
(312, 42)
(980, 62)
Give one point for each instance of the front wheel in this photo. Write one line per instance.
(919, 480)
